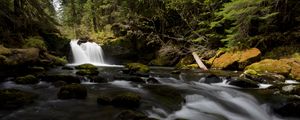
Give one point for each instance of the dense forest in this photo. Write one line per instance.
(150, 59)
(163, 27)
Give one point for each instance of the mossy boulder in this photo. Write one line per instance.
(22, 57)
(86, 66)
(295, 71)
(236, 60)
(12, 98)
(28, 79)
(190, 67)
(263, 77)
(72, 91)
(187, 60)
(87, 69)
(137, 67)
(244, 83)
(66, 78)
(127, 100)
(51, 60)
(270, 65)
(84, 72)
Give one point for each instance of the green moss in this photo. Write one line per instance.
(28, 79)
(76, 91)
(36, 42)
(54, 60)
(250, 72)
(187, 60)
(236, 60)
(86, 66)
(128, 100)
(87, 72)
(12, 98)
(190, 67)
(137, 67)
(269, 65)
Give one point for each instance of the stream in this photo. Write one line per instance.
(200, 100)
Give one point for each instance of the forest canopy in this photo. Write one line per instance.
(200, 24)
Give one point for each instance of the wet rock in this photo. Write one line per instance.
(132, 115)
(59, 83)
(98, 79)
(127, 100)
(28, 79)
(168, 96)
(244, 83)
(176, 72)
(137, 67)
(236, 60)
(87, 69)
(67, 68)
(289, 109)
(84, 72)
(67, 78)
(152, 81)
(212, 79)
(72, 91)
(291, 89)
(12, 98)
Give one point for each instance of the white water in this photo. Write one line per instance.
(88, 52)
(216, 103)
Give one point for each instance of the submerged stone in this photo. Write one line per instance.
(103, 100)
(127, 100)
(168, 96)
(12, 98)
(72, 91)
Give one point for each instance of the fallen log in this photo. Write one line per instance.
(199, 62)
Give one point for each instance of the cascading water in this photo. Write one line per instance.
(88, 52)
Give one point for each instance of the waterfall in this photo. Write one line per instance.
(88, 52)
